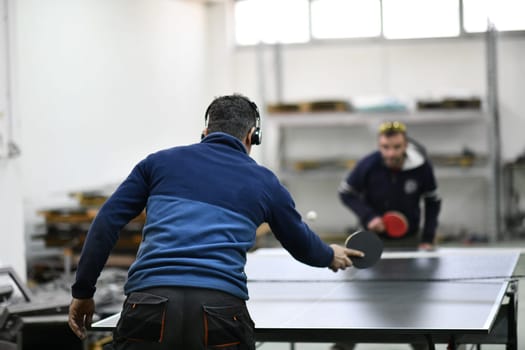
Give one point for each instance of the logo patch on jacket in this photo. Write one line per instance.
(410, 186)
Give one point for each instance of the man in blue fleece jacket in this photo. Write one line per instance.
(187, 288)
(396, 177)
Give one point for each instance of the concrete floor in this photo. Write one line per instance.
(520, 270)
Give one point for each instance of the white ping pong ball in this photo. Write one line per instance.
(311, 215)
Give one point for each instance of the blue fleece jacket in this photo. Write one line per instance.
(371, 189)
(203, 204)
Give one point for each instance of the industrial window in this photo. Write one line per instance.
(506, 15)
(407, 19)
(345, 18)
(271, 21)
(301, 21)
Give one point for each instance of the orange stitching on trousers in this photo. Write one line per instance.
(205, 330)
(227, 344)
(162, 325)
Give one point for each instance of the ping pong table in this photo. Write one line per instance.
(452, 296)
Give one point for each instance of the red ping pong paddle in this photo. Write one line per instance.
(369, 243)
(396, 224)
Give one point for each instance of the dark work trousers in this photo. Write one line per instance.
(181, 318)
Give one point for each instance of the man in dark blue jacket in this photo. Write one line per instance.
(187, 288)
(397, 177)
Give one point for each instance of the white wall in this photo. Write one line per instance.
(511, 71)
(99, 84)
(12, 249)
(11, 211)
(103, 83)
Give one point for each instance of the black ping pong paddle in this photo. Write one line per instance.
(369, 243)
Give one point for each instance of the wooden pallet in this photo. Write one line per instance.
(320, 164)
(311, 107)
(449, 103)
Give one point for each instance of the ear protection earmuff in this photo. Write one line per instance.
(256, 137)
(257, 133)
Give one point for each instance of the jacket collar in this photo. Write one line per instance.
(413, 158)
(225, 139)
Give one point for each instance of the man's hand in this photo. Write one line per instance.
(376, 225)
(426, 246)
(80, 316)
(341, 257)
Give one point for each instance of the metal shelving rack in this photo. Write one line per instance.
(275, 144)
